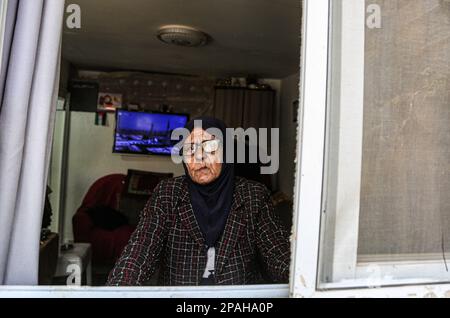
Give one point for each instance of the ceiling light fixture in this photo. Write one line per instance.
(182, 36)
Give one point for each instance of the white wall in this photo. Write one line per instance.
(91, 157)
(288, 133)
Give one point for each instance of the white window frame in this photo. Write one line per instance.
(343, 140)
(326, 81)
(341, 197)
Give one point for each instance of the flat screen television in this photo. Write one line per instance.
(146, 133)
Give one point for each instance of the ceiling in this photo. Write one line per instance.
(250, 37)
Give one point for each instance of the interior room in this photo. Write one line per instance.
(167, 62)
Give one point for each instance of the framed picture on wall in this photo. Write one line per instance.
(109, 101)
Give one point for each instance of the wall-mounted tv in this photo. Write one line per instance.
(146, 133)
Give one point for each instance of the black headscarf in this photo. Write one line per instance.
(212, 202)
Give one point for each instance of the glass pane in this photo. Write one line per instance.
(399, 231)
(405, 201)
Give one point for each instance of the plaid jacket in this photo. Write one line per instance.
(253, 241)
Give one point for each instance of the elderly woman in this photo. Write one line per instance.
(207, 227)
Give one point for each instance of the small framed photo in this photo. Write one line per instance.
(109, 101)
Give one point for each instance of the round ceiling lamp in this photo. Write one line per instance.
(182, 36)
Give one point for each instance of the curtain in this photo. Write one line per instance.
(29, 77)
(228, 106)
(245, 107)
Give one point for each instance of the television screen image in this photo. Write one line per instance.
(146, 133)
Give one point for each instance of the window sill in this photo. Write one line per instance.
(250, 291)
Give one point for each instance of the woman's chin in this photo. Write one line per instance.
(203, 180)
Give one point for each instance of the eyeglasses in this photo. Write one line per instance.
(208, 146)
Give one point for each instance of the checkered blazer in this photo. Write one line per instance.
(253, 241)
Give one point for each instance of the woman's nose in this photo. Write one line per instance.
(198, 155)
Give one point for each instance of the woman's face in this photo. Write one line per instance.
(203, 163)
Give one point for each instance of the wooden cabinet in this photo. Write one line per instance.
(48, 257)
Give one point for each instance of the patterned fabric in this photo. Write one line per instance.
(168, 235)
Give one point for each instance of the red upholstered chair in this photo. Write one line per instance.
(106, 245)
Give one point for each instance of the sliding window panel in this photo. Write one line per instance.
(386, 204)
